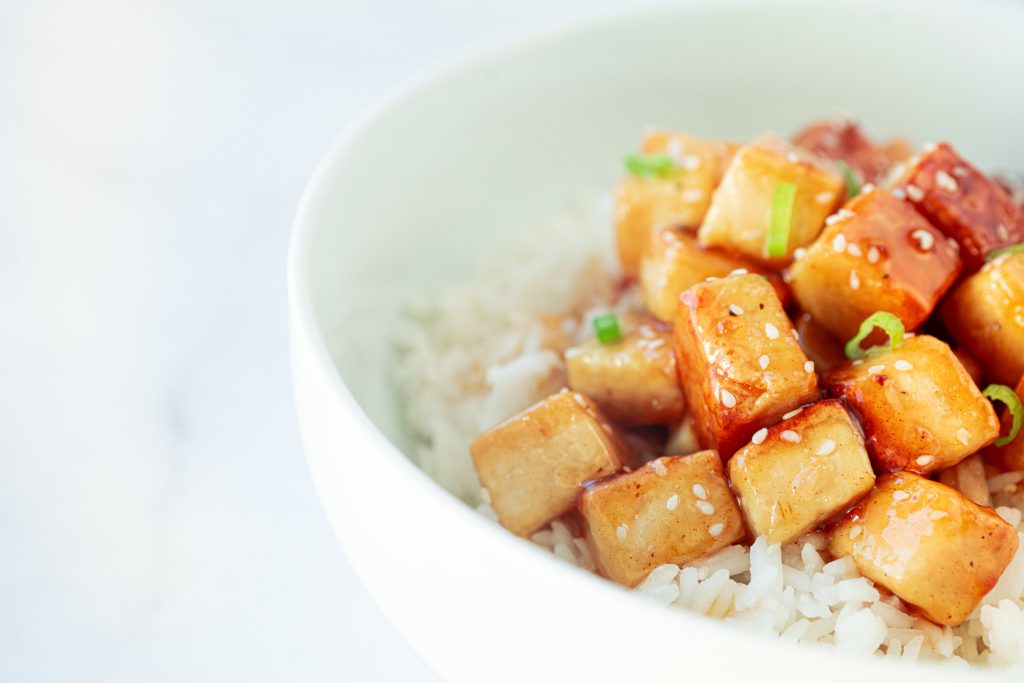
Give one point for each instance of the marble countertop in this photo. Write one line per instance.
(157, 522)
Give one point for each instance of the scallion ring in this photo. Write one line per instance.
(884, 320)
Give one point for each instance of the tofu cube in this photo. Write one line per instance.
(740, 213)
(819, 345)
(797, 474)
(671, 511)
(985, 314)
(842, 140)
(877, 254)
(534, 464)
(919, 408)
(926, 543)
(633, 380)
(1010, 457)
(963, 202)
(740, 364)
(644, 205)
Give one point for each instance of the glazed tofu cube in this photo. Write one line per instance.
(672, 510)
(633, 380)
(877, 254)
(926, 543)
(963, 202)
(968, 477)
(534, 464)
(799, 473)
(985, 314)
(919, 408)
(740, 364)
(1011, 456)
(644, 204)
(842, 140)
(740, 213)
(819, 345)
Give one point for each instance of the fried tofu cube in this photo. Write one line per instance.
(877, 254)
(968, 477)
(673, 510)
(797, 474)
(644, 205)
(819, 345)
(740, 364)
(633, 380)
(963, 202)
(739, 217)
(1011, 456)
(534, 464)
(919, 408)
(926, 543)
(985, 314)
(842, 140)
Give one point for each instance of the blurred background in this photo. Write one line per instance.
(157, 522)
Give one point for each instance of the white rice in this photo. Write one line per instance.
(478, 353)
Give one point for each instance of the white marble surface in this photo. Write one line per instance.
(156, 519)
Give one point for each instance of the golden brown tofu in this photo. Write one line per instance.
(919, 408)
(985, 314)
(740, 213)
(799, 473)
(740, 364)
(644, 205)
(968, 477)
(672, 510)
(926, 543)
(878, 254)
(533, 464)
(963, 202)
(1011, 456)
(633, 380)
(842, 140)
(818, 344)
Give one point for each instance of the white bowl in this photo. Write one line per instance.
(439, 175)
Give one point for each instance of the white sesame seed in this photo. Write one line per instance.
(675, 148)
(915, 193)
(963, 436)
(946, 181)
(700, 491)
(875, 369)
(793, 157)
(738, 271)
(1003, 233)
(790, 436)
(823, 197)
(792, 413)
(716, 529)
(809, 366)
(796, 335)
(937, 514)
(694, 194)
(960, 172)
(735, 310)
(672, 503)
(928, 147)
(900, 495)
(855, 531)
(580, 400)
(763, 361)
(858, 362)
(771, 331)
(873, 254)
(854, 280)
(691, 162)
(759, 436)
(953, 244)
(799, 253)
(898, 193)
(705, 507)
(728, 400)
(659, 468)
(925, 460)
(853, 250)
(867, 187)
(826, 447)
(903, 365)
(925, 240)
(839, 243)
(621, 531)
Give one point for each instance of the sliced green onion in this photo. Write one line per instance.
(651, 165)
(1003, 393)
(852, 184)
(996, 253)
(883, 320)
(782, 218)
(607, 328)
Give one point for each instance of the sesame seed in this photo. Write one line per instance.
(854, 280)
(580, 400)
(621, 531)
(946, 181)
(826, 447)
(691, 162)
(960, 172)
(700, 491)
(792, 413)
(853, 250)
(799, 253)
(675, 148)
(672, 503)
(928, 147)
(858, 362)
(796, 335)
(903, 365)
(937, 514)
(875, 369)
(839, 243)
(925, 460)
(739, 271)
(759, 436)
(963, 436)
(793, 157)
(1003, 233)
(659, 468)
(809, 366)
(900, 495)
(915, 193)
(771, 331)
(953, 244)
(790, 436)
(735, 310)
(705, 507)
(763, 361)
(873, 254)
(898, 193)
(715, 530)
(855, 532)
(925, 240)
(728, 400)
(694, 194)
(823, 197)
(867, 187)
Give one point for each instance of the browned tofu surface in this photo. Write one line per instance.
(740, 364)
(926, 543)
(633, 380)
(919, 408)
(740, 213)
(878, 254)
(645, 205)
(985, 313)
(819, 345)
(533, 464)
(963, 202)
(799, 473)
(673, 510)
(842, 140)
(1011, 456)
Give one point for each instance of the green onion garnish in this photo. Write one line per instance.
(884, 320)
(996, 253)
(651, 165)
(782, 217)
(852, 184)
(1003, 393)
(607, 328)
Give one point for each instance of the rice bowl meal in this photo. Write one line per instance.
(776, 383)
